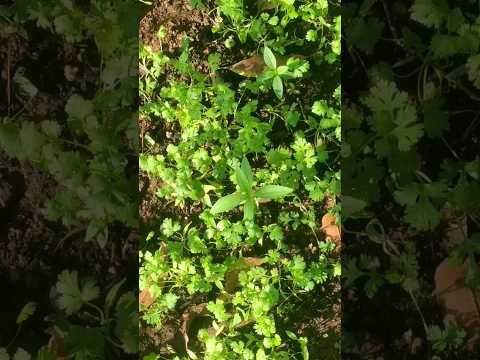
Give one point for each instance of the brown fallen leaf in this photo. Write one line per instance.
(250, 67)
(331, 229)
(255, 65)
(191, 313)
(145, 298)
(243, 264)
(264, 5)
(57, 343)
(457, 300)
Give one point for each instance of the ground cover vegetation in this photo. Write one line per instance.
(240, 141)
(410, 171)
(68, 179)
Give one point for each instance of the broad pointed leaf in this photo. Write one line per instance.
(269, 58)
(227, 203)
(243, 180)
(278, 86)
(249, 209)
(273, 192)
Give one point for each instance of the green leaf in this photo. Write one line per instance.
(311, 36)
(170, 300)
(21, 354)
(320, 107)
(78, 107)
(273, 192)
(278, 86)
(249, 209)
(269, 58)
(4, 354)
(126, 328)
(112, 295)
(227, 203)
(431, 13)
(351, 205)
(419, 209)
(243, 179)
(247, 170)
(72, 296)
(32, 140)
(86, 342)
(435, 119)
(27, 311)
(473, 68)
(44, 353)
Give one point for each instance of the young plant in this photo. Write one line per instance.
(247, 195)
(278, 70)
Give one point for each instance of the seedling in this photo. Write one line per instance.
(247, 195)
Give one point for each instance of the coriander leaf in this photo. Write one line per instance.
(408, 132)
(473, 68)
(21, 354)
(431, 13)
(435, 119)
(78, 107)
(72, 296)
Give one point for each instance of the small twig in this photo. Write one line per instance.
(393, 30)
(69, 235)
(9, 89)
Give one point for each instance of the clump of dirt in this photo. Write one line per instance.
(178, 19)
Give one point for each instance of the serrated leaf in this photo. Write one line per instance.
(435, 119)
(170, 300)
(320, 107)
(21, 354)
(4, 354)
(44, 353)
(78, 107)
(72, 297)
(126, 328)
(227, 203)
(351, 205)
(269, 58)
(473, 68)
(272, 192)
(431, 13)
(32, 140)
(86, 342)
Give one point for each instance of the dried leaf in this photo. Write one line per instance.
(255, 65)
(145, 298)
(250, 67)
(455, 228)
(243, 264)
(330, 228)
(191, 313)
(457, 301)
(56, 343)
(264, 5)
